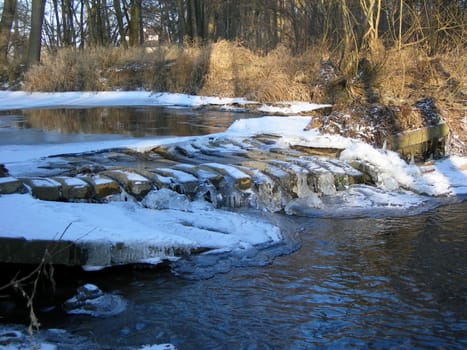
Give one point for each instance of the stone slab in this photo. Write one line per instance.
(73, 188)
(44, 188)
(10, 185)
(20, 250)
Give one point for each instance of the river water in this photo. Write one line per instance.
(362, 283)
(65, 125)
(393, 283)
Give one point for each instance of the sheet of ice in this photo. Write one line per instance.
(24, 100)
(361, 200)
(268, 125)
(445, 177)
(24, 216)
(19, 159)
(291, 130)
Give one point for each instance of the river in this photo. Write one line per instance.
(362, 283)
(393, 283)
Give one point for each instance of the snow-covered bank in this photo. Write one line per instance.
(24, 100)
(152, 235)
(10, 100)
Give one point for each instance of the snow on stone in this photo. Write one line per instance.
(180, 175)
(90, 300)
(99, 180)
(6, 179)
(131, 176)
(44, 183)
(73, 181)
(229, 170)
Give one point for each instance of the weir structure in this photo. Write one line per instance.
(256, 172)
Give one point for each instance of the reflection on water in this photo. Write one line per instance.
(397, 283)
(74, 125)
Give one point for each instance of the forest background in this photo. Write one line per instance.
(388, 64)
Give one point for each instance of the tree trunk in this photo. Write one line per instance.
(195, 19)
(35, 35)
(8, 15)
(135, 23)
(121, 28)
(67, 23)
(57, 33)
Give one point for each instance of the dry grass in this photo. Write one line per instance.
(221, 69)
(279, 76)
(410, 74)
(378, 88)
(78, 70)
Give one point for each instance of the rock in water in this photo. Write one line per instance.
(90, 300)
(3, 171)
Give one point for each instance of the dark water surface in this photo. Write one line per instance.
(45, 126)
(395, 283)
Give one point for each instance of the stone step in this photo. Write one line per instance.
(73, 188)
(102, 187)
(134, 183)
(183, 182)
(320, 179)
(241, 179)
(227, 172)
(10, 184)
(280, 177)
(44, 188)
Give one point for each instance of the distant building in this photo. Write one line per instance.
(150, 36)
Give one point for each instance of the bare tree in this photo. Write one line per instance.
(35, 35)
(135, 23)
(6, 23)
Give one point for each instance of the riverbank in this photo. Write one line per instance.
(373, 95)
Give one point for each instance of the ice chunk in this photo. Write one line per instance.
(296, 206)
(166, 199)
